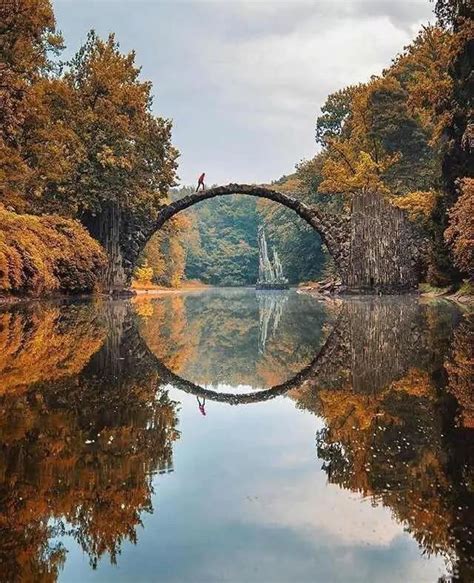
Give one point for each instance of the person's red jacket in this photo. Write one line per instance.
(201, 178)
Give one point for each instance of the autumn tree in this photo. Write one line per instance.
(166, 251)
(84, 142)
(144, 273)
(391, 133)
(334, 114)
(460, 232)
(28, 39)
(129, 159)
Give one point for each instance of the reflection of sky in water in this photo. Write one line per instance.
(247, 502)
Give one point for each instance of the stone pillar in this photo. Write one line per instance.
(383, 247)
(106, 227)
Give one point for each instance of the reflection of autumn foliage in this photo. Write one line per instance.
(390, 446)
(163, 326)
(214, 339)
(77, 457)
(460, 368)
(47, 343)
(389, 433)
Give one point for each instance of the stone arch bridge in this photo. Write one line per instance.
(373, 245)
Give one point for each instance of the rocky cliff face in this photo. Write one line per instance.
(383, 247)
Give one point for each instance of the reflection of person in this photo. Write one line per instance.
(201, 405)
(201, 182)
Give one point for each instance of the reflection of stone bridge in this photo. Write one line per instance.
(373, 342)
(372, 244)
(325, 355)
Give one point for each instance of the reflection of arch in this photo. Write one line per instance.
(373, 342)
(334, 230)
(331, 344)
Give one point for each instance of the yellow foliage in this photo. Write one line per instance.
(165, 252)
(419, 204)
(424, 68)
(291, 184)
(53, 347)
(389, 118)
(47, 254)
(460, 369)
(460, 233)
(144, 274)
(416, 382)
(348, 169)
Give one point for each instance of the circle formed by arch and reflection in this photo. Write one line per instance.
(307, 373)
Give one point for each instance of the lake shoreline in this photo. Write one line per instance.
(466, 300)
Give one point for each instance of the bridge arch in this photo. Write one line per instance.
(323, 224)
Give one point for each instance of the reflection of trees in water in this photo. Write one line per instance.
(46, 342)
(78, 453)
(460, 367)
(218, 342)
(270, 309)
(390, 429)
(80, 443)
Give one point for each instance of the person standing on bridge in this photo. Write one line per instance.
(201, 182)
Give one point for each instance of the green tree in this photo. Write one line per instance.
(334, 113)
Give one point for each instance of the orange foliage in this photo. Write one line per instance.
(419, 204)
(47, 254)
(80, 449)
(165, 252)
(460, 233)
(56, 346)
(460, 368)
(373, 445)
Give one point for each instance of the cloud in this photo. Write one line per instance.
(244, 80)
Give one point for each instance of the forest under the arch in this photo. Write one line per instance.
(79, 136)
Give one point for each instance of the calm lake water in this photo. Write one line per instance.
(236, 436)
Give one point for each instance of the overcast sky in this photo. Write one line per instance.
(243, 81)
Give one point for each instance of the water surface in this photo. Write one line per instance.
(230, 435)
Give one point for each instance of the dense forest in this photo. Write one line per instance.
(80, 146)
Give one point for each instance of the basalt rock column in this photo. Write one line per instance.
(383, 247)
